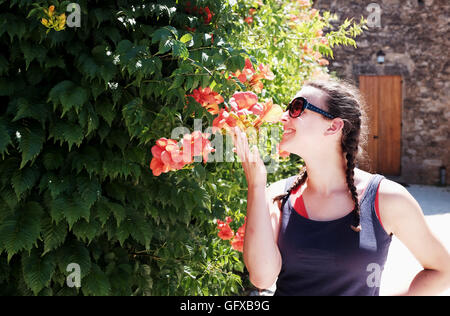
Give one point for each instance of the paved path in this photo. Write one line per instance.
(401, 266)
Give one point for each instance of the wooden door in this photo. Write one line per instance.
(383, 95)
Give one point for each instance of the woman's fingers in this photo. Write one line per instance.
(243, 150)
(237, 143)
(243, 145)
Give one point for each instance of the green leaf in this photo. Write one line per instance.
(160, 35)
(53, 160)
(151, 65)
(87, 231)
(31, 142)
(101, 211)
(179, 49)
(21, 230)
(179, 79)
(26, 109)
(74, 210)
(68, 95)
(118, 211)
(74, 251)
(89, 189)
(96, 283)
(124, 46)
(37, 271)
(186, 38)
(106, 110)
(73, 134)
(143, 230)
(57, 207)
(123, 231)
(5, 140)
(53, 234)
(24, 179)
(166, 45)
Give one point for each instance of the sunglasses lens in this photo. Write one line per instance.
(296, 108)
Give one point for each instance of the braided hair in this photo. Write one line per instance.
(344, 101)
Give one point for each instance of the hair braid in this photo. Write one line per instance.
(301, 178)
(350, 182)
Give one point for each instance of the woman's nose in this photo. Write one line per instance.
(285, 117)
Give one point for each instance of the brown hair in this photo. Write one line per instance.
(344, 101)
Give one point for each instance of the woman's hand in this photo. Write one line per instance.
(254, 168)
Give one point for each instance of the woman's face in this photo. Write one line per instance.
(309, 130)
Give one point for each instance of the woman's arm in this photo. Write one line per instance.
(404, 218)
(261, 255)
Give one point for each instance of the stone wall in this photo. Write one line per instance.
(414, 35)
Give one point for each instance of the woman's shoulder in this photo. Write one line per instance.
(387, 189)
(395, 203)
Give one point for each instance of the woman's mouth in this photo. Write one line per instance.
(289, 131)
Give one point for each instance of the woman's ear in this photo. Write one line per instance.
(334, 126)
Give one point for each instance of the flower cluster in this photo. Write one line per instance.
(209, 99)
(168, 155)
(226, 233)
(252, 78)
(53, 21)
(242, 109)
(245, 111)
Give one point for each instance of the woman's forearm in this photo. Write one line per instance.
(261, 255)
(429, 282)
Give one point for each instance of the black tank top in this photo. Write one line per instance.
(328, 257)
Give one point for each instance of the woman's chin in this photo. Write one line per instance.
(283, 146)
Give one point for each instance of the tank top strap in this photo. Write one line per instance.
(371, 229)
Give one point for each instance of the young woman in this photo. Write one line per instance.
(327, 230)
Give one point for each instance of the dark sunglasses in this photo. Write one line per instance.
(300, 104)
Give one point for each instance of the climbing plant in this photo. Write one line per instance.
(81, 108)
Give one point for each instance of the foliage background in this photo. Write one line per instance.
(80, 109)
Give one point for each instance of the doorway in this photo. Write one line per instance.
(383, 95)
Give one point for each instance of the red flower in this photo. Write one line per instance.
(249, 20)
(238, 241)
(225, 231)
(257, 109)
(166, 156)
(271, 113)
(188, 7)
(243, 100)
(208, 99)
(208, 15)
(255, 83)
(246, 73)
(224, 120)
(197, 144)
(266, 72)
